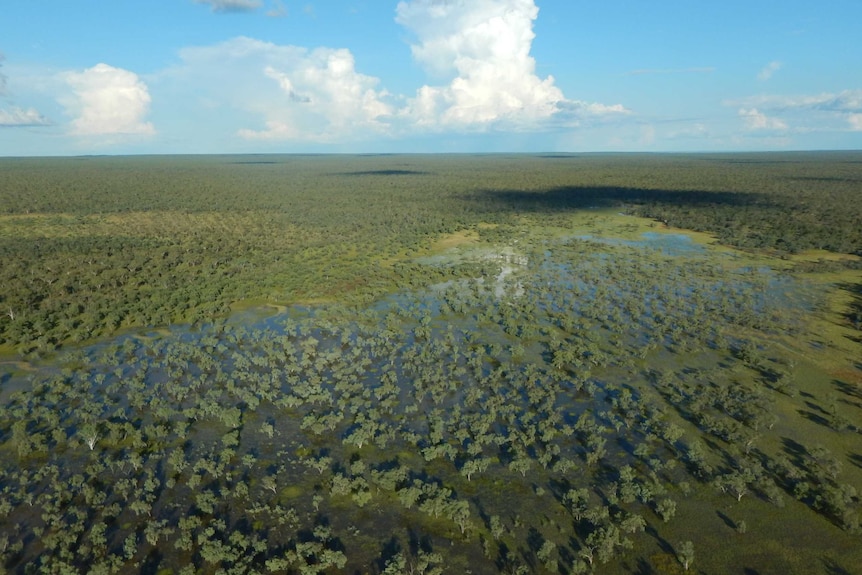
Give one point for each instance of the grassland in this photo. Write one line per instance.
(426, 364)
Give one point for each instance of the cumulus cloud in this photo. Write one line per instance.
(232, 5)
(855, 121)
(767, 71)
(312, 95)
(16, 116)
(477, 51)
(757, 120)
(326, 98)
(483, 48)
(107, 100)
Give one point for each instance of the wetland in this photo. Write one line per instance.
(431, 364)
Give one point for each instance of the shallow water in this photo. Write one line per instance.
(419, 372)
(669, 244)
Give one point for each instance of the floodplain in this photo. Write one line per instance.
(431, 364)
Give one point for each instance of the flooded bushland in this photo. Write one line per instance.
(563, 405)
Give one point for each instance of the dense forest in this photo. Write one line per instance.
(431, 364)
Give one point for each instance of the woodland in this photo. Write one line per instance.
(427, 364)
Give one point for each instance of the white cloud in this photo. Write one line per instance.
(325, 99)
(767, 72)
(297, 94)
(2, 76)
(855, 121)
(697, 130)
(479, 49)
(12, 115)
(16, 116)
(662, 71)
(824, 112)
(844, 101)
(107, 100)
(483, 47)
(278, 10)
(647, 135)
(757, 120)
(594, 108)
(232, 5)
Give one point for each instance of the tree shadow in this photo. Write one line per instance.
(506, 560)
(833, 568)
(848, 389)
(567, 558)
(390, 549)
(150, 564)
(813, 417)
(419, 542)
(727, 520)
(641, 567)
(795, 451)
(853, 312)
(662, 542)
(534, 540)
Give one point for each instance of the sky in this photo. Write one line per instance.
(372, 76)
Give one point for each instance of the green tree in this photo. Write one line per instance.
(577, 502)
(666, 509)
(685, 554)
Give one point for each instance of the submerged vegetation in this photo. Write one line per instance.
(411, 364)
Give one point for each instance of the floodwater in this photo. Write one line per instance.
(500, 363)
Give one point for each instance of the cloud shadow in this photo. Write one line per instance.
(585, 197)
(385, 173)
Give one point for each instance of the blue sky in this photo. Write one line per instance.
(226, 76)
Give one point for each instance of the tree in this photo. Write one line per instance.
(496, 526)
(633, 523)
(666, 508)
(521, 464)
(90, 435)
(472, 466)
(423, 564)
(577, 502)
(269, 483)
(546, 555)
(685, 554)
(459, 512)
(605, 540)
(736, 482)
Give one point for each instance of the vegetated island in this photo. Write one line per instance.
(387, 364)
